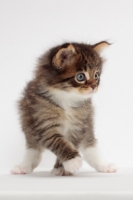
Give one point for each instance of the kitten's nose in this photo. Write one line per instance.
(93, 86)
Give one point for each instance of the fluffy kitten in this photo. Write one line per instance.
(56, 110)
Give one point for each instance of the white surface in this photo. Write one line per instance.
(29, 27)
(83, 186)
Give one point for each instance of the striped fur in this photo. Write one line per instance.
(56, 110)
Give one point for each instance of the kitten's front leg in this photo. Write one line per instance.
(64, 150)
(95, 158)
(59, 169)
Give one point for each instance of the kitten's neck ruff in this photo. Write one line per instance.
(67, 100)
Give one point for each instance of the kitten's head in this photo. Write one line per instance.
(73, 68)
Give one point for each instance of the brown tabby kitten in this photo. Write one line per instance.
(56, 110)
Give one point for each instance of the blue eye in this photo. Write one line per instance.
(80, 77)
(96, 76)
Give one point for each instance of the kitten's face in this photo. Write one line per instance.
(87, 81)
(75, 68)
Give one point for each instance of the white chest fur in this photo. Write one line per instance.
(70, 123)
(68, 101)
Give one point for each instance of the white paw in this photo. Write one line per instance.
(73, 164)
(107, 168)
(60, 172)
(20, 169)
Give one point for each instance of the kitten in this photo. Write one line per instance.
(56, 111)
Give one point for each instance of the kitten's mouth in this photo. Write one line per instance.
(92, 91)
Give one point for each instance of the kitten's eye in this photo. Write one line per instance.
(80, 77)
(96, 76)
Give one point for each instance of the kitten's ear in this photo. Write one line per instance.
(99, 47)
(64, 57)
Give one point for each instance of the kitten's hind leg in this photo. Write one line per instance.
(95, 158)
(31, 160)
(59, 170)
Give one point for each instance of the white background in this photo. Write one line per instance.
(29, 27)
